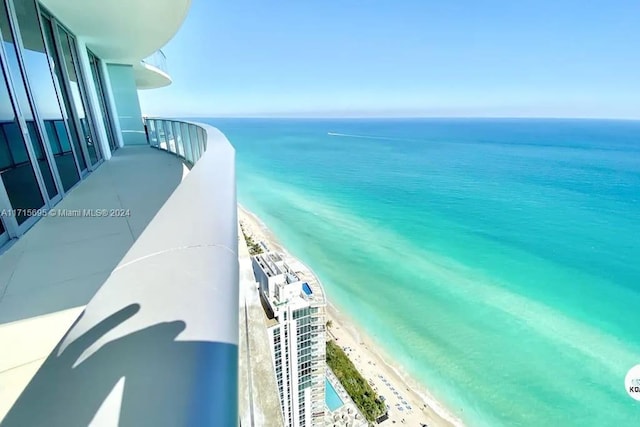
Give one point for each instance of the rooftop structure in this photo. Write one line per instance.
(295, 310)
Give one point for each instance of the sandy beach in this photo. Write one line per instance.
(409, 402)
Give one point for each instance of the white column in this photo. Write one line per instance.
(92, 95)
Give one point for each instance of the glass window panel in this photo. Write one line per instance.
(64, 157)
(42, 162)
(54, 142)
(16, 143)
(1, 227)
(60, 128)
(23, 101)
(43, 89)
(31, 126)
(100, 90)
(77, 94)
(17, 173)
(63, 136)
(6, 159)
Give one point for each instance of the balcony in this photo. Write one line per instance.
(148, 301)
(151, 72)
(158, 60)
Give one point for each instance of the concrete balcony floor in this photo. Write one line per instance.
(51, 272)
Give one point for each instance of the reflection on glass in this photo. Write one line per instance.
(68, 53)
(23, 101)
(104, 110)
(1, 227)
(74, 132)
(16, 171)
(43, 89)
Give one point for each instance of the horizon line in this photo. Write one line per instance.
(383, 117)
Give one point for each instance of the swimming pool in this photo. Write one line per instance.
(331, 396)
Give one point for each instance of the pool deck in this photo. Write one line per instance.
(347, 414)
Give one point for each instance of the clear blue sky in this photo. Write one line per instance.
(542, 58)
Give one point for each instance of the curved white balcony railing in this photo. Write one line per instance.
(157, 345)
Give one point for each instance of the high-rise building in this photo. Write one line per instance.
(295, 307)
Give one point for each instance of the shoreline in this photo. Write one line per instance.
(370, 358)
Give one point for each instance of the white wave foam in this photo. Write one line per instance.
(348, 135)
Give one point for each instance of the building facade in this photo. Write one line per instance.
(296, 309)
(69, 75)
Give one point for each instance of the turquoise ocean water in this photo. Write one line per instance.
(498, 261)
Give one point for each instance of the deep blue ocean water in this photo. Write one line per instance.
(498, 261)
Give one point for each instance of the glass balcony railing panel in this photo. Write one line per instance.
(193, 132)
(178, 137)
(152, 132)
(201, 139)
(198, 141)
(204, 139)
(168, 131)
(157, 59)
(162, 137)
(187, 142)
(192, 145)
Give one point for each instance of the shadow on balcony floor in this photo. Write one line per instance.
(143, 378)
(50, 273)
